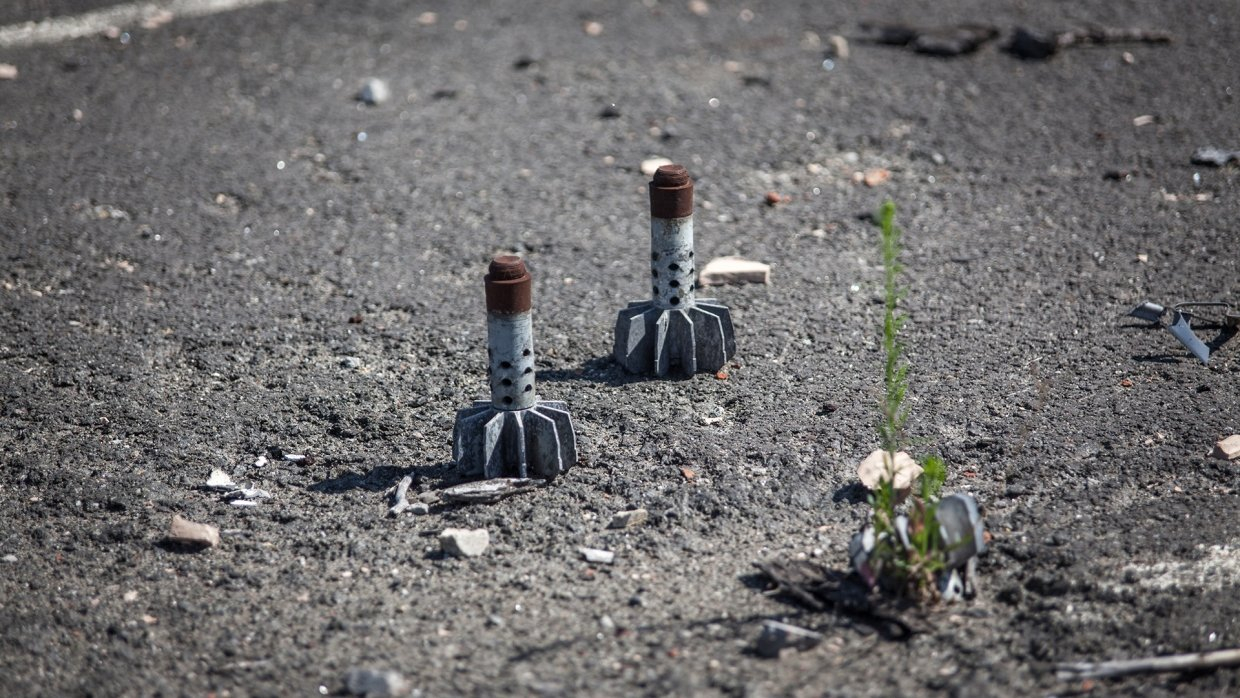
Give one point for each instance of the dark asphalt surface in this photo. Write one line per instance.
(198, 226)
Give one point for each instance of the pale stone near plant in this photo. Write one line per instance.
(464, 542)
(734, 270)
(187, 532)
(874, 469)
(1228, 448)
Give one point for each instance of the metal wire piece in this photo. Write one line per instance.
(1180, 325)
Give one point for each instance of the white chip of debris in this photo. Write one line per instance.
(878, 467)
(598, 557)
(220, 480)
(652, 165)
(250, 492)
(187, 532)
(777, 637)
(629, 519)
(8, 71)
(734, 270)
(464, 542)
(1228, 448)
(374, 683)
(374, 91)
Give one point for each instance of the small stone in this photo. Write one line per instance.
(1033, 45)
(373, 683)
(464, 542)
(592, 28)
(839, 46)
(734, 270)
(773, 198)
(351, 362)
(428, 497)
(699, 7)
(374, 91)
(10, 558)
(8, 71)
(427, 19)
(876, 176)
(777, 637)
(611, 111)
(1143, 120)
(187, 532)
(629, 519)
(599, 557)
(652, 165)
(1214, 157)
(419, 508)
(875, 469)
(220, 480)
(1228, 448)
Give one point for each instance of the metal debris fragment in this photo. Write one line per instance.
(399, 498)
(777, 637)
(490, 491)
(596, 556)
(1180, 324)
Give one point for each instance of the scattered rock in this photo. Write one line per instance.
(220, 480)
(9, 558)
(464, 542)
(734, 270)
(1215, 157)
(1143, 120)
(838, 47)
(592, 28)
(374, 92)
(773, 198)
(186, 532)
(488, 491)
(875, 469)
(351, 362)
(945, 42)
(651, 165)
(373, 683)
(611, 111)
(157, 19)
(629, 519)
(599, 557)
(8, 71)
(876, 176)
(419, 508)
(699, 7)
(427, 19)
(777, 637)
(1228, 448)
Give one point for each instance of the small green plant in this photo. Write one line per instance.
(908, 552)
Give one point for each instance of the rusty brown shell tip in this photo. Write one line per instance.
(671, 176)
(506, 267)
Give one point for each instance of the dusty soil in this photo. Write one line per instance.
(188, 262)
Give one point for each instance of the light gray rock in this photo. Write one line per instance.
(464, 542)
(374, 683)
(186, 532)
(629, 519)
(488, 491)
(374, 91)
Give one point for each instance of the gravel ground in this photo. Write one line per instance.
(211, 250)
